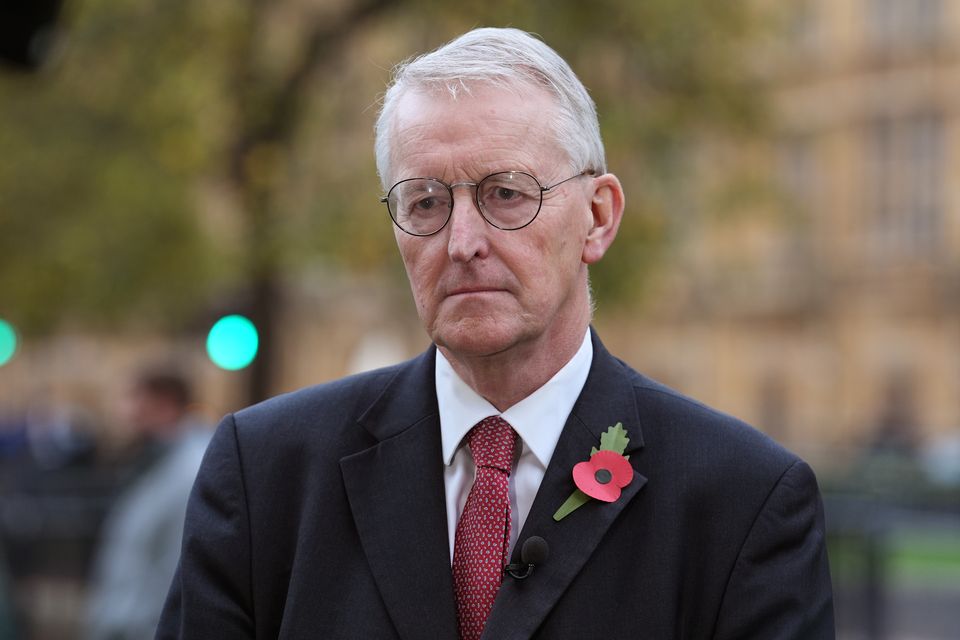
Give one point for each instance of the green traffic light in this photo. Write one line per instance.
(8, 342)
(232, 342)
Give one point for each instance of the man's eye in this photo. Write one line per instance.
(429, 206)
(504, 194)
(425, 204)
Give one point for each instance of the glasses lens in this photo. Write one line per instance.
(420, 206)
(509, 200)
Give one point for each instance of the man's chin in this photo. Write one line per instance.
(475, 339)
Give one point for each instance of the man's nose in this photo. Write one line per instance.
(468, 231)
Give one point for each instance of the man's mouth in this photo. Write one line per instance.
(473, 290)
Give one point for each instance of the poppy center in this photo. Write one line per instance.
(603, 476)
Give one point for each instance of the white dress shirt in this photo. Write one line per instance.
(538, 420)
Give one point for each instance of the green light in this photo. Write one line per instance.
(8, 342)
(232, 342)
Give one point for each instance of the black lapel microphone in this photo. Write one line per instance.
(533, 552)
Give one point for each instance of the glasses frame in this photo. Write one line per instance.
(476, 199)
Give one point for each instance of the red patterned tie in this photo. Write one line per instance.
(483, 533)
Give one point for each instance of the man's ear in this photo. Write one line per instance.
(606, 208)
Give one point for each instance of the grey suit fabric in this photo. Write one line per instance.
(320, 514)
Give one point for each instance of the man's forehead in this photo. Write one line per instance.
(479, 128)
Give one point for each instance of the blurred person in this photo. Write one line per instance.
(389, 504)
(9, 626)
(58, 435)
(897, 431)
(941, 459)
(140, 545)
(48, 486)
(890, 464)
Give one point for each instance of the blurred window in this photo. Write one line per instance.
(904, 186)
(903, 24)
(799, 173)
(803, 28)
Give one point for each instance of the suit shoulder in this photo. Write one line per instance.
(333, 395)
(324, 411)
(677, 422)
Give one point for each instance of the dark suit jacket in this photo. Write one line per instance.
(320, 514)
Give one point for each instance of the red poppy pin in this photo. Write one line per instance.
(603, 476)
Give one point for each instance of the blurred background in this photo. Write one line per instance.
(189, 222)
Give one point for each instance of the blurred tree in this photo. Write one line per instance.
(99, 165)
(181, 148)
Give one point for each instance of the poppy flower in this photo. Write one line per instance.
(603, 475)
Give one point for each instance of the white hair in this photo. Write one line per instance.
(501, 57)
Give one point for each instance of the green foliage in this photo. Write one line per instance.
(107, 157)
(99, 171)
(613, 439)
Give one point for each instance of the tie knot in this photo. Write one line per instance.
(491, 442)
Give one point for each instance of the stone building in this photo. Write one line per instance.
(826, 309)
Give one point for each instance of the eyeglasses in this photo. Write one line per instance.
(508, 200)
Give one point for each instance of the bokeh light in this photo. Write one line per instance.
(8, 342)
(232, 342)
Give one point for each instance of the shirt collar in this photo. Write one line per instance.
(538, 419)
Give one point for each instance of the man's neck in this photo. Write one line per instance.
(508, 377)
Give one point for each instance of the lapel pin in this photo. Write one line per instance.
(603, 476)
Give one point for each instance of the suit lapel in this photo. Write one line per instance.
(608, 397)
(396, 494)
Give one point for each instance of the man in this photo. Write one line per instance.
(138, 553)
(385, 505)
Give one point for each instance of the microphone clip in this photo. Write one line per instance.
(533, 552)
(519, 570)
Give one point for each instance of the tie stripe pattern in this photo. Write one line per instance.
(483, 532)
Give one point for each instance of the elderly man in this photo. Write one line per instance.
(516, 480)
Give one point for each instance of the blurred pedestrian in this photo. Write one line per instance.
(141, 536)
(8, 611)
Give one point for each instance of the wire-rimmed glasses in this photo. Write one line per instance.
(508, 200)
